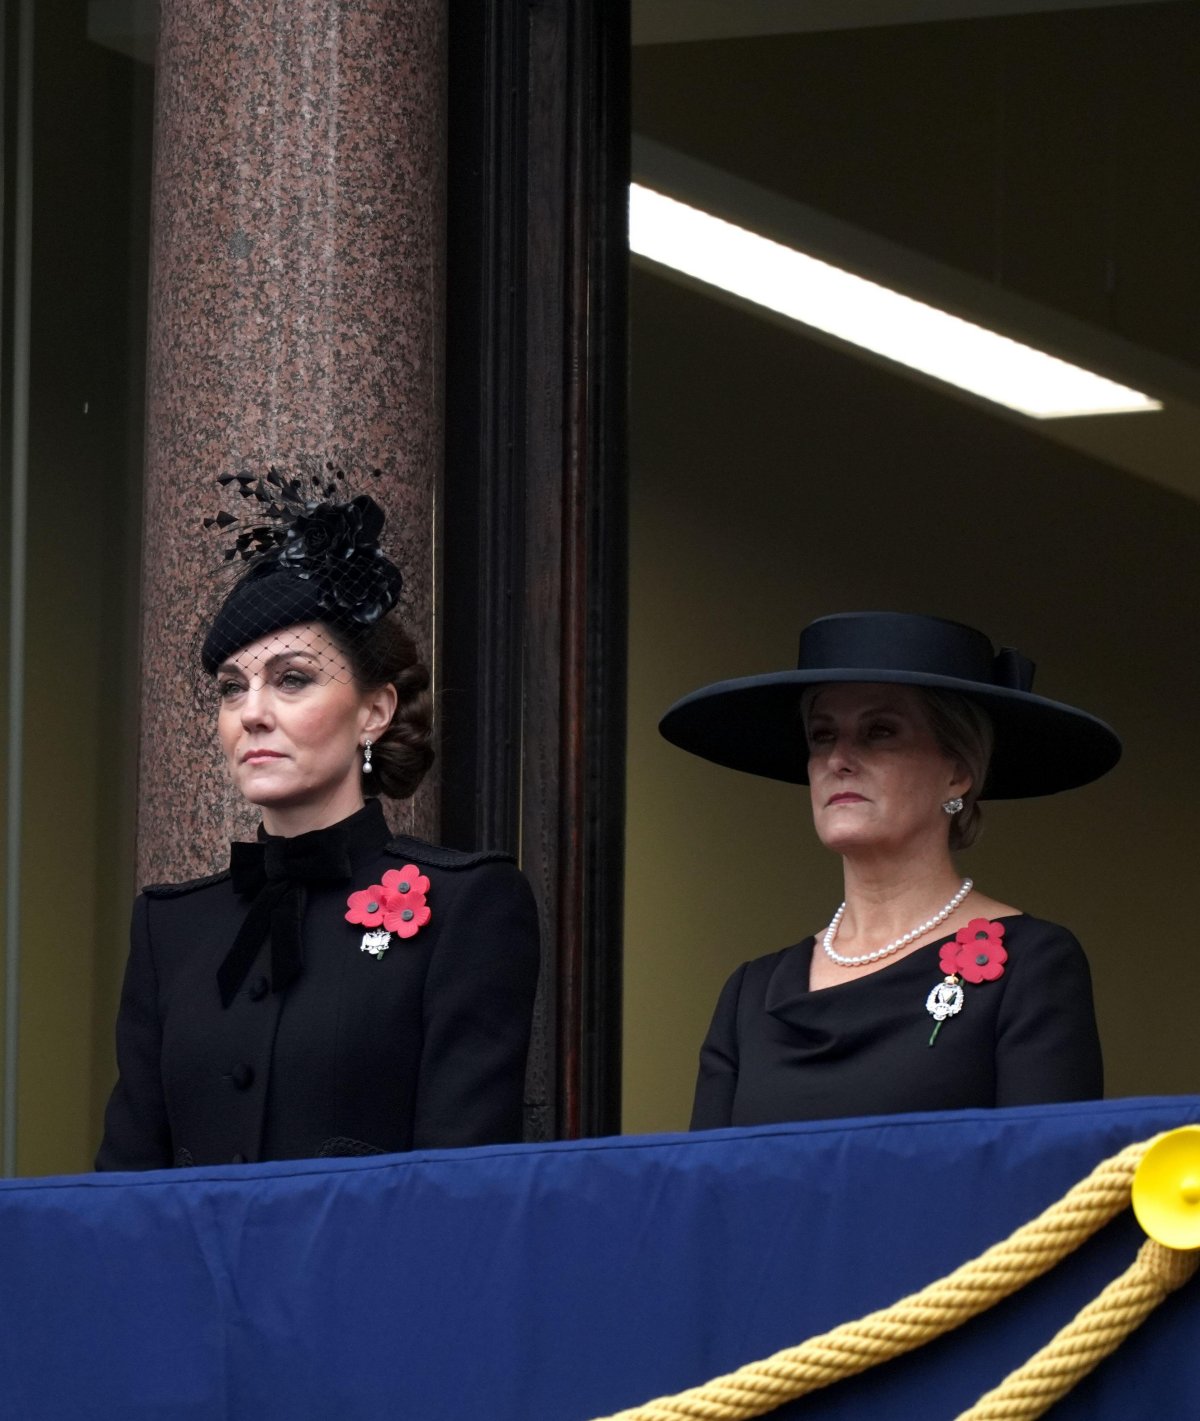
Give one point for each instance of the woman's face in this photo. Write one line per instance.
(877, 776)
(292, 720)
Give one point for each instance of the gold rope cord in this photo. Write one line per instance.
(1033, 1249)
(1099, 1329)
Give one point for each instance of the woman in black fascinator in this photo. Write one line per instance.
(336, 990)
(922, 993)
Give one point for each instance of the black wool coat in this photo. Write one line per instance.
(423, 1046)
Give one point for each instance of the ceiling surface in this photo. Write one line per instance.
(1035, 163)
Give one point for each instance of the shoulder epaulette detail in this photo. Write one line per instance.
(177, 890)
(434, 855)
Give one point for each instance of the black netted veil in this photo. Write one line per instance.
(310, 555)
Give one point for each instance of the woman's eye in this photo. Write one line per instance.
(294, 680)
(880, 730)
(820, 737)
(225, 689)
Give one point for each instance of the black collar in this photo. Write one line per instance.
(275, 872)
(321, 856)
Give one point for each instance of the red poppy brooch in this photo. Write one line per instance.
(397, 905)
(975, 954)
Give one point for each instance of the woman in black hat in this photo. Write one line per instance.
(923, 993)
(337, 990)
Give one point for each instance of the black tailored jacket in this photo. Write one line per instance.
(422, 1047)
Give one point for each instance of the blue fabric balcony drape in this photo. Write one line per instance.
(563, 1282)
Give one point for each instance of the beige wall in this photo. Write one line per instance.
(774, 480)
(77, 840)
(91, 142)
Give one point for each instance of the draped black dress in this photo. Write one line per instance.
(777, 1051)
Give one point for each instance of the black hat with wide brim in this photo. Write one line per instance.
(753, 723)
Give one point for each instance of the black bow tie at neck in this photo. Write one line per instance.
(276, 872)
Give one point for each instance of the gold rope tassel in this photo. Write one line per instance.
(1033, 1249)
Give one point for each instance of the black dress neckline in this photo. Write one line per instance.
(788, 985)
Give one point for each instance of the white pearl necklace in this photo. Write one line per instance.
(919, 931)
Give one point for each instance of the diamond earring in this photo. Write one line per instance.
(951, 806)
(367, 760)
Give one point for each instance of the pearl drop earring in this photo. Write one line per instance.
(366, 757)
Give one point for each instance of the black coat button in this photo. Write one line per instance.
(239, 1158)
(258, 989)
(242, 1075)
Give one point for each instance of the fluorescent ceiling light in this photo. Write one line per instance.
(866, 314)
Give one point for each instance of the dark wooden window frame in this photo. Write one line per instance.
(533, 586)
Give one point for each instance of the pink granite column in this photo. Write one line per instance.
(296, 309)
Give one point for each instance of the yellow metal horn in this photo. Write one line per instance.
(1166, 1189)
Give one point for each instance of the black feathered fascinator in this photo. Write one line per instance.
(313, 556)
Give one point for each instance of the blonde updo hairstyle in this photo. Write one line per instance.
(963, 730)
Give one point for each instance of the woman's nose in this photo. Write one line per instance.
(841, 753)
(256, 707)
